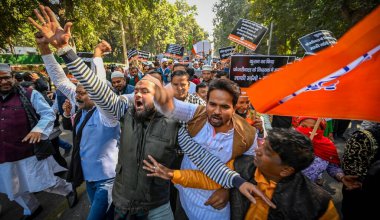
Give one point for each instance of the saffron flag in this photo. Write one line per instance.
(341, 82)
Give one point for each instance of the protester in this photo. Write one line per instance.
(164, 70)
(361, 158)
(201, 91)
(94, 137)
(120, 85)
(25, 162)
(326, 155)
(276, 169)
(217, 128)
(206, 74)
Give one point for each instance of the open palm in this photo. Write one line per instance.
(50, 28)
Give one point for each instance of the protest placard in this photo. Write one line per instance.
(174, 51)
(247, 69)
(317, 41)
(248, 33)
(226, 52)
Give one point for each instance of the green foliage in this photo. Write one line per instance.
(149, 24)
(292, 19)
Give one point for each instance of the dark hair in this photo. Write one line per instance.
(200, 85)
(133, 67)
(179, 64)
(190, 71)
(27, 76)
(294, 148)
(154, 73)
(227, 85)
(179, 73)
(219, 74)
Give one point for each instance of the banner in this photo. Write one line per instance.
(132, 53)
(201, 48)
(140, 55)
(339, 82)
(317, 41)
(248, 69)
(248, 33)
(174, 51)
(226, 52)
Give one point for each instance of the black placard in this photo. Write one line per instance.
(248, 69)
(317, 41)
(140, 55)
(226, 52)
(248, 33)
(174, 50)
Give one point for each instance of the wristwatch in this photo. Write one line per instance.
(64, 50)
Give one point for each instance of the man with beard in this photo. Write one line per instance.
(95, 137)
(243, 109)
(164, 70)
(217, 128)
(207, 75)
(144, 131)
(25, 125)
(120, 84)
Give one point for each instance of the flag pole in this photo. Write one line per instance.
(315, 128)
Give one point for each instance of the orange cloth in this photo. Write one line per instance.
(197, 179)
(356, 94)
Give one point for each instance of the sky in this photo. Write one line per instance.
(205, 14)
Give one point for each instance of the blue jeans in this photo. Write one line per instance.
(63, 144)
(98, 194)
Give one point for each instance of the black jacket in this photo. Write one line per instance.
(296, 197)
(133, 190)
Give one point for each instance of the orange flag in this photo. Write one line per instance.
(342, 81)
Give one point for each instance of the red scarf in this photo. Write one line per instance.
(323, 147)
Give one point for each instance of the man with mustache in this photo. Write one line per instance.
(95, 137)
(217, 128)
(26, 121)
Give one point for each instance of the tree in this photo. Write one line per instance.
(293, 19)
(149, 24)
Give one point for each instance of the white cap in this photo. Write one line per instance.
(164, 60)
(117, 74)
(4, 67)
(206, 68)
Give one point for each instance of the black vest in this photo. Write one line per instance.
(296, 197)
(133, 190)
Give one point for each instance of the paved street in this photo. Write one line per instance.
(56, 207)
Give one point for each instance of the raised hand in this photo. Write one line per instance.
(102, 48)
(67, 107)
(50, 27)
(157, 169)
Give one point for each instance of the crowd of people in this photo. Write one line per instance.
(161, 140)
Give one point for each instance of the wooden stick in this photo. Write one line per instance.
(315, 128)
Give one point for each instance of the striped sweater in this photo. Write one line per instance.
(114, 107)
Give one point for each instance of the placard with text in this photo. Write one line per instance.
(248, 69)
(317, 41)
(248, 33)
